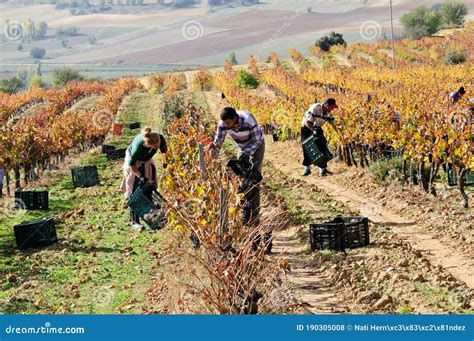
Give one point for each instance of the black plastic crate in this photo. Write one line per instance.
(32, 200)
(87, 176)
(35, 233)
(117, 154)
(356, 231)
(135, 125)
(326, 236)
(317, 158)
(453, 178)
(340, 233)
(107, 148)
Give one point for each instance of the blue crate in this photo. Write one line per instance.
(141, 205)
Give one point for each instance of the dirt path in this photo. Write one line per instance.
(189, 79)
(311, 287)
(282, 157)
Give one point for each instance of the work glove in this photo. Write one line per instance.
(244, 159)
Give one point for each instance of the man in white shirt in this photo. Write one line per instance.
(457, 95)
(314, 118)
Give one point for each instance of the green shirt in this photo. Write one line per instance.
(139, 152)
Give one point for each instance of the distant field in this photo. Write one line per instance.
(143, 38)
(97, 70)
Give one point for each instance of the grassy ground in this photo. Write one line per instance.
(139, 107)
(99, 264)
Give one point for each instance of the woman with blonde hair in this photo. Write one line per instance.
(138, 168)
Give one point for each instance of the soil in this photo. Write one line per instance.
(411, 265)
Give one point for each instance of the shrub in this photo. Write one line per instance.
(388, 170)
(11, 85)
(421, 22)
(453, 13)
(92, 40)
(454, 57)
(64, 75)
(67, 31)
(233, 58)
(37, 53)
(37, 82)
(42, 30)
(246, 80)
(325, 43)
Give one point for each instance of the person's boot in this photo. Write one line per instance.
(256, 243)
(324, 172)
(195, 242)
(137, 227)
(306, 171)
(267, 240)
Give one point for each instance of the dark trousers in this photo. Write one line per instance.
(135, 217)
(252, 206)
(252, 209)
(147, 190)
(321, 143)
